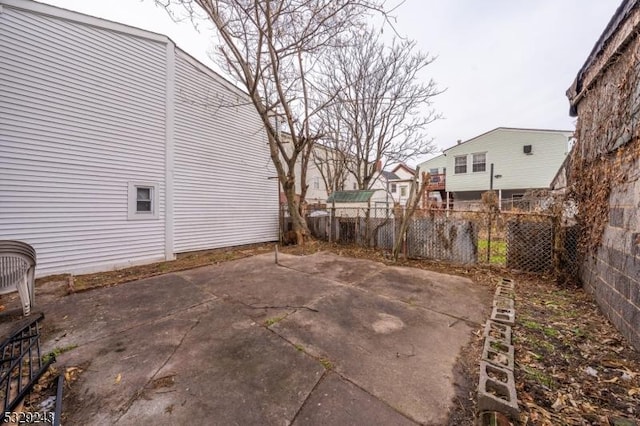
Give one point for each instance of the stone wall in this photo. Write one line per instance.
(612, 275)
(604, 175)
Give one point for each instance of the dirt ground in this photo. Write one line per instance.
(572, 365)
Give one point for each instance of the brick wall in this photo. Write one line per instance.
(613, 274)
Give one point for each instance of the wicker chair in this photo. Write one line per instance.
(17, 271)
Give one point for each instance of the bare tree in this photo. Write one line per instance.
(272, 47)
(331, 162)
(382, 106)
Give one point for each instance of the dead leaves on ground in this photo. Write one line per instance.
(572, 365)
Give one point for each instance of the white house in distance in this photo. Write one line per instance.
(118, 148)
(392, 187)
(317, 191)
(509, 160)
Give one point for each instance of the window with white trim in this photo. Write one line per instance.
(460, 164)
(479, 162)
(394, 188)
(143, 201)
(403, 191)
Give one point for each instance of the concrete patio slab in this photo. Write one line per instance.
(118, 368)
(411, 350)
(229, 370)
(335, 268)
(315, 340)
(89, 316)
(338, 402)
(432, 290)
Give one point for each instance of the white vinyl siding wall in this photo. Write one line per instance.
(82, 112)
(222, 193)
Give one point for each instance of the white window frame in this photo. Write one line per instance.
(403, 191)
(132, 208)
(474, 163)
(455, 165)
(394, 188)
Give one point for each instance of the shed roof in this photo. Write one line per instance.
(358, 196)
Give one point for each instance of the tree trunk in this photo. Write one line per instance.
(412, 204)
(298, 222)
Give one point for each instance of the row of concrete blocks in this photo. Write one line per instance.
(497, 389)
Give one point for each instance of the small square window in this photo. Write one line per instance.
(143, 201)
(460, 164)
(479, 162)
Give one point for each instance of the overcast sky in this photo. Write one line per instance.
(502, 62)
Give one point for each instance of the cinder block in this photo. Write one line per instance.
(498, 353)
(505, 316)
(498, 331)
(507, 282)
(503, 302)
(497, 390)
(502, 291)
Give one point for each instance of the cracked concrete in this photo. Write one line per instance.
(316, 340)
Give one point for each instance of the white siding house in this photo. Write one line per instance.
(434, 166)
(323, 158)
(117, 148)
(522, 159)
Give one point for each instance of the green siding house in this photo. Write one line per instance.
(511, 161)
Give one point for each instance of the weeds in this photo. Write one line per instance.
(328, 365)
(270, 321)
(57, 352)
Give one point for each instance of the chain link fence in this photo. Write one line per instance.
(524, 241)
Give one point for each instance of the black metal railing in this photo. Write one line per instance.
(21, 364)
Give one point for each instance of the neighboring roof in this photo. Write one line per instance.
(404, 166)
(389, 175)
(508, 129)
(358, 196)
(621, 14)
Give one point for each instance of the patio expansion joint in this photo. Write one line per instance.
(125, 408)
(295, 416)
(333, 370)
(348, 380)
(200, 288)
